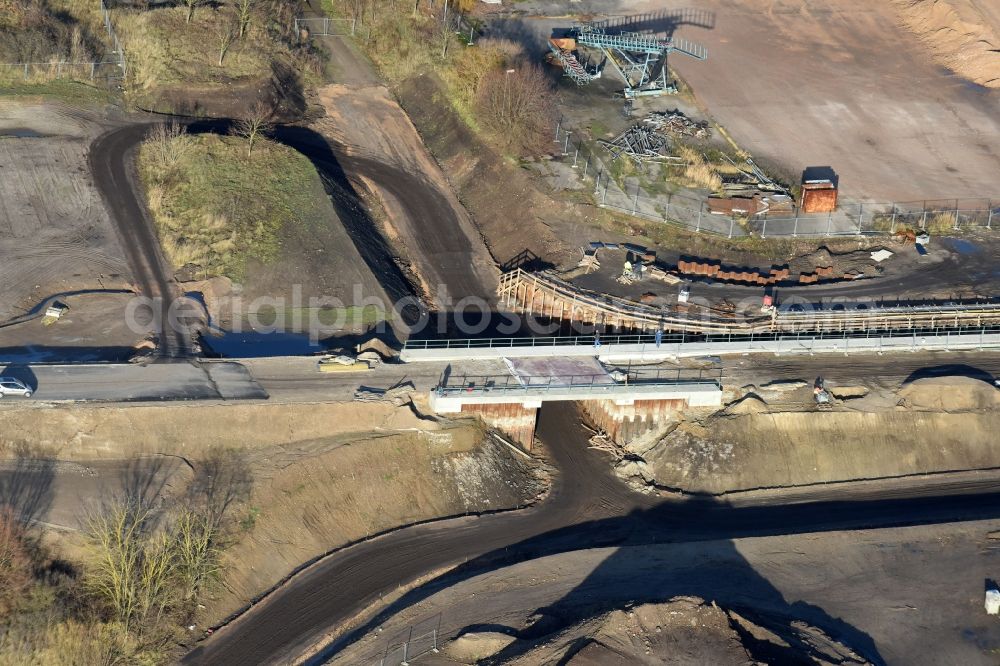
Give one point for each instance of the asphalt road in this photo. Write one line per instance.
(134, 382)
(587, 508)
(111, 162)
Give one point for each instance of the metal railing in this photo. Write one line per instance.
(608, 343)
(616, 380)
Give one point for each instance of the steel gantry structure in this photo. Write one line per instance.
(640, 59)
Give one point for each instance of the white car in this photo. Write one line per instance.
(11, 386)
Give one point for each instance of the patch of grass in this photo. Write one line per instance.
(162, 49)
(217, 208)
(71, 92)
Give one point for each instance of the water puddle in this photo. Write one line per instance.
(21, 133)
(961, 246)
(253, 344)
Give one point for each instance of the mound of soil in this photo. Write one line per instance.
(683, 630)
(950, 394)
(751, 403)
(964, 35)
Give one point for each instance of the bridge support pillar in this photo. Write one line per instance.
(625, 420)
(515, 419)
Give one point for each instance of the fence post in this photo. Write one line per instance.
(795, 227)
(605, 199)
(698, 225)
(635, 202)
(989, 218)
(25, 71)
(566, 144)
(763, 229)
(326, 26)
(892, 227)
(861, 217)
(354, 25)
(576, 155)
(923, 221)
(732, 223)
(92, 66)
(829, 222)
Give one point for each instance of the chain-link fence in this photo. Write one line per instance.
(326, 27)
(110, 69)
(852, 218)
(417, 640)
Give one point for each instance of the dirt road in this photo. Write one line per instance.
(587, 508)
(895, 596)
(374, 140)
(111, 161)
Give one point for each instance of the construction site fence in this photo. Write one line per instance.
(415, 642)
(852, 218)
(327, 27)
(110, 69)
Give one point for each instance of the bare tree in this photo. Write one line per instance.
(227, 31)
(254, 124)
(244, 12)
(15, 562)
(518, 105)
(131, 570)
(191, 6)
(196, 552)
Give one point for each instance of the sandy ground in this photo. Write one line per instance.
(95, 328)
(772, 436)
(897, 596)
(963, 34)
(55, 235)
(804, 83)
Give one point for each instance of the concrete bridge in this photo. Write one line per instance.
(623, 406)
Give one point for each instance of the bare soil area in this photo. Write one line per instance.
(683, 630)
(964, 35)
(802, 83)
(320, 476)
(898, 596)
(773, 436)
(56, 235)
(378, 137)
(94, 328)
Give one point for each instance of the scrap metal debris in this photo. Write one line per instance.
(650, 139)
(639, 143)
(675, 122)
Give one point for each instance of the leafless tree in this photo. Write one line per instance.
(15, 562)
(518, 105)
(131, 567)
(256, 122)
(191, 6)
(244, 12)
(227, 30)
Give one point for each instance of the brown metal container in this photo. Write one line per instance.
(819, 196)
